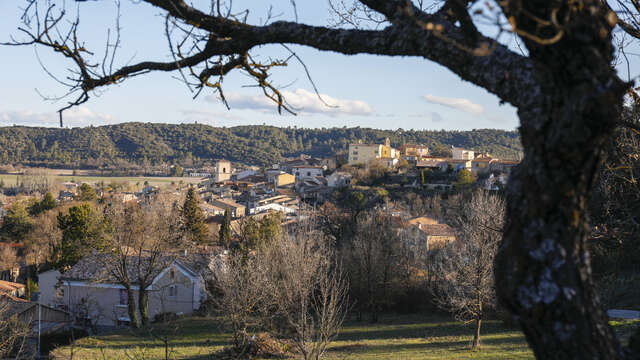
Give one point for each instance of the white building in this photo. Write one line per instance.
(307, 171)
(274, 207)
(462, 154)
(245, 174)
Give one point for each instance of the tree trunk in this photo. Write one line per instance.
(143, 305)
(131, 307)
(542, 269)
(543, 274)
(476, 337)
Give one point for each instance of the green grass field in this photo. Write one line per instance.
(394, 337)
(397, 337)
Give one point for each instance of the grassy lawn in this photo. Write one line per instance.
(394, 337)
(427, 337)
(397, 337)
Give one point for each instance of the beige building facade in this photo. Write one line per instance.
(222, 171)
(462, 154)
(365, 153)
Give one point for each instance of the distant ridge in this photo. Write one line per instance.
(150, 143)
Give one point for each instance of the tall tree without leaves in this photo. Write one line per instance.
(564, 86)
(193, 226)
(466, 267)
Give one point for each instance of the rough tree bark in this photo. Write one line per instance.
(543, 264)
(131, 307)
(143, 305)
(568, 99)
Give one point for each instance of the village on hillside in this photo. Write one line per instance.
(228, 195)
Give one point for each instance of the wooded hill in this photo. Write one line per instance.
(153, 144)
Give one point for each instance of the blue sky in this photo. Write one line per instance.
(370, 91)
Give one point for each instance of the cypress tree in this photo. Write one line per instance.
(225, 229)
(193, 225)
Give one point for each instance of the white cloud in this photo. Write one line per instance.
(301, 101)
(76, 116)
(455, 103)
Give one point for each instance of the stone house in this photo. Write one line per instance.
(237, 210)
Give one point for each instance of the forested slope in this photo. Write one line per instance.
(146, 143)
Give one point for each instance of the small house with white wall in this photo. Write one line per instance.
(307, 172)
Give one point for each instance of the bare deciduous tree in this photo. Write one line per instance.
(13, 333)
(466, 285)
(9, 260)
(306, 287)
(238, 295)
(157, 249)
(371, 260)
(126, 232)
(41, 242)
(141, 240)
(36, 181)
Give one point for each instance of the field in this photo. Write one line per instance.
(10, 179)
(397, 337)
(394, 337)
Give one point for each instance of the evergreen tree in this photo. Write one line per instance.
(193, 226)
(464, 180)
(83, 229)
(16, 223)
(224, 235)
(87, 193)
(48, 202)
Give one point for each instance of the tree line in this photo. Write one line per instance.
(145, 144)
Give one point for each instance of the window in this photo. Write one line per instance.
(173, 291)
(124, 298)
(224, 170)
(355, 153)
(172, 274)
(308, 173)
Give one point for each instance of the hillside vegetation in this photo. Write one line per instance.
(152, 144)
